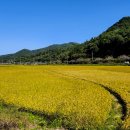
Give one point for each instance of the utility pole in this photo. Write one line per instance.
(50, 59)
(33, 60)
(67, 59)
(49, 56)
(20, 60)
(92, 55)
(2, 61)
(14, 60)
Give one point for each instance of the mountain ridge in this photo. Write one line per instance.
(115, 41)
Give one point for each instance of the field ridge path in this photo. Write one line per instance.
(117, 96)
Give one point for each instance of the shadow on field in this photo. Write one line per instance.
(120, 100)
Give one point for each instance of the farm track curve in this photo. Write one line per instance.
(120, 100)
(117, 96)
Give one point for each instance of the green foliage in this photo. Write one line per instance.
(115, 41)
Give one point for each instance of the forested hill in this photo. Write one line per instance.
(50, 54)
(114, 42)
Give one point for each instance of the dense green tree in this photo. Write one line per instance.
(91, 49)
(114, 42)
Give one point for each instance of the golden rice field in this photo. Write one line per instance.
(74, 94)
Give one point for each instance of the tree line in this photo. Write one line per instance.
(113, 45)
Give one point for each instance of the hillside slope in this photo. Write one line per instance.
(115, 41)
(47, 54)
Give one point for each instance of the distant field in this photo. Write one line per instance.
(77, 97)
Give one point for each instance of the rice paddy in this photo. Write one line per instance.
(73, 95)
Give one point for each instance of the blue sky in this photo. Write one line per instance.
(35, 24)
